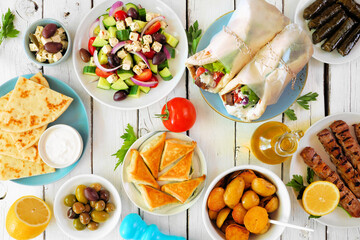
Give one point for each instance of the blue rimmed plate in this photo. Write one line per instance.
(288, 97)
(75, 116)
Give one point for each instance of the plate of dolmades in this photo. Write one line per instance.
(164, 173)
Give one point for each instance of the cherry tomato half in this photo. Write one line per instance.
(218, 76)
(101, 73)
(120, 15)
(91, 47)
(153, 28)
(178, 115)
(199, 71)
(153, 78)
(149, 55)
(144, 76)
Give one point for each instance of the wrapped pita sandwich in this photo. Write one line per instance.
(252, 25)
(261, 82)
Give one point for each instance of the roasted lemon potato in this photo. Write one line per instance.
(216, 199)
(236, 232)
(271, 204)
(213, 215)
(263, 187)
(238, 213)
(256, 219)
(234, 191)
(248, 176)
(221, 217)
(250, 199)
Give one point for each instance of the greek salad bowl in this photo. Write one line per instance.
(130, 54)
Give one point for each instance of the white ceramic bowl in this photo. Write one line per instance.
(66, 224)
(76, 137)
(177, 65)
(282, 214)
(199, 168)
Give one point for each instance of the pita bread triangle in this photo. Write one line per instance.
(175, 149)
(155, 198)
(180, 171)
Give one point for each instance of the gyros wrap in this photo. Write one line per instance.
(261, 82)
(252, 25)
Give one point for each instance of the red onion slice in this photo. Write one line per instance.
(115, 7)
(92, 28)
(167, 53)
(144, 84)
(101, 23)
(97, 63)
(159, 18)
(142, 56)
(117, 47)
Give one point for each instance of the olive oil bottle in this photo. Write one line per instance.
(274, 143)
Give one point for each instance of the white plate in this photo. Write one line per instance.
(199, 169)
(66, 224)
(338, 218)
(327, 57)
(177, 65)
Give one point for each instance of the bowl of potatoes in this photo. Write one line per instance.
(240, 201)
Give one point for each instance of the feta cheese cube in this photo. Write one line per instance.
(142, 65)
(112, 78)
(136, 46)
(38, 37)
(40, 58)
(146, 48)
(128, 47)
(113, 41)
(150, 16)
(128, 21)
(120, 25)
(121, 54)
(50, 57)
(51, 60)
(65, 44)
(104, 34)
(33, 47)
(157, 46)
(147, 39)
(46, 54)
(106, 49)
(57, 56)
(135, 26)
(137, 70)
(39, 30)
(126, 65)
(45, 40)
(60, 31)
(63, 37)
(163, 24)
(56, 38)
(134, 36)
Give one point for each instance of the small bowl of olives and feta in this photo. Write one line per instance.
(87, 207)
(47, 42)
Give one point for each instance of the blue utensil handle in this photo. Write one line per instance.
(134, 228)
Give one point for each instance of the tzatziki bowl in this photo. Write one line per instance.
(60, 146)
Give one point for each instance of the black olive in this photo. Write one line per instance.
(159, 58)
(118, 96)
(113, 60)
(159, 38)
(133, 13)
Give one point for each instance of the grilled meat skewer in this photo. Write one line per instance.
(347, 199)
(357, 131)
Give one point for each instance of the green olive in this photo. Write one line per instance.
(80, 195)
(110, 207)
(93, 226)
(96, 186)
(84, 218)
(87, 208)
(69, 200)
(100, 205)
(99, 216)
(92, 204)
(78, 225)
(78, 207)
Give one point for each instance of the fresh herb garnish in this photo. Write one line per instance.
(310, 175)
(193, 37)
(344, 210)
(303, 101)
(297, 182)
(7, 27)
(312, 216)
(129, 138)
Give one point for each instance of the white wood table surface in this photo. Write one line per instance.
(224, 143)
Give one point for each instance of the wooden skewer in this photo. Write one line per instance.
(290, 225)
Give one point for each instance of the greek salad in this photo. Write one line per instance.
(128, 47)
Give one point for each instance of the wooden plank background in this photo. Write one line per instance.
(224, 142)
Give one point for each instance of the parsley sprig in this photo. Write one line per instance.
(303, 101)
(297, 182)
(129, 138)
(193, 37)
(7, 26)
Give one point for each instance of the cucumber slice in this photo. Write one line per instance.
(131, 5)
(141, 25)
(124, 74)
(128, 57)
(103, 84)
(154, 68)
(129, 82)
(99, 42)
(144, 89)
(103, 58)
(123, 35)
(171, 51)
(137, 59)
(163, 65)
(119, 85)
(97, 30)
(89, 70)
(142, 14)
(112, 32)
(92, 63)
(134, 91)
(109, 21)
(171, 40)
(166, 74)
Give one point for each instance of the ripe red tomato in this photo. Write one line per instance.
(199, 71)
(91, 47)
(178, 115)
(218, 76)
(144, 76)
(153, 28)
(149, 55)
(101, 73)
(120, 15)
(153, 78)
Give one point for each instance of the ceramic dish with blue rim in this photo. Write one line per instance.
(75, 116)
(287, 98)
